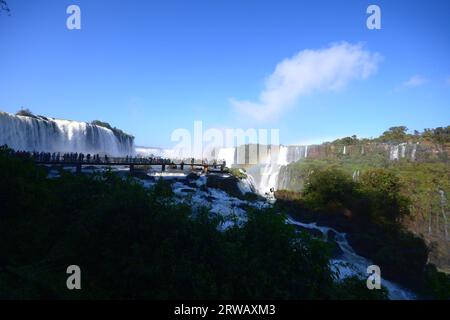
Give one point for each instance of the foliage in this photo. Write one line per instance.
(25, 113)
(376, 206)
(352, 288)
(382, 190)
(401, 255)
(238, 173)
(329, 190)
(132, 242)
(394, 134)
(399, 134)
(346, 141)
(438, 283)
(440, 135)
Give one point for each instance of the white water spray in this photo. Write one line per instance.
(53, 135)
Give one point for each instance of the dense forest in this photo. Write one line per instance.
(135, 242)
(423, 183)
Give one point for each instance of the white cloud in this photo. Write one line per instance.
(415, 81)
(307, 72)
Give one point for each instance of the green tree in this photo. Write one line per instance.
(382, 188)
(329, 189)
(132, 242)
(395, 135)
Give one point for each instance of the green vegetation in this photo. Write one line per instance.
(439, 136)
(25, 113)
(394, 135)
(238, 173)
(419, 182)
(397, 206)
(370, 210)
(131, 242)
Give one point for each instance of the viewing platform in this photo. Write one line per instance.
(132, 163)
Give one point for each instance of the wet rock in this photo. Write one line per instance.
(192, 176)
(336, 250)
(331, 235)
(90, 168)
(227, 184)
(142, 175)
(313, 232)
(190, 184)
(363, 244)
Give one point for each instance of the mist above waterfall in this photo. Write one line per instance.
(44, 134)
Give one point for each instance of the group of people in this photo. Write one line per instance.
(66, 157)
(75, 157)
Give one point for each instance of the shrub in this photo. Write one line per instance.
(131, 242)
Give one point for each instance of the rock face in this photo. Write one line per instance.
(336, 250)
(330, 236)
(313, 232)
(229, 184)
(192, 176)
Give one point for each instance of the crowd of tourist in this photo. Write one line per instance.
(75, 157)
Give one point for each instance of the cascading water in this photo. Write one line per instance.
(403, 150)
(53, 135)
(296, 153)
(247, 184)
(270, 172)
(349, 263)
(413, 152)
(356, 175)
(393, 152)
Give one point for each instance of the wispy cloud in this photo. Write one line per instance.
(307, 72)
(415, 81)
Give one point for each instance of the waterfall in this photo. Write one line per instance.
(413, 153)
(393, 152)
(283, 178)
(444, 212)
(270, 171)
(355, 175)
(403, 150)
(39, 133)
(350, 263)
(247, 184)
(344, 152)
(296, 153)
(227, 154)
(398, 151)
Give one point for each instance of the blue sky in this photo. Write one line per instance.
(150, 67)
